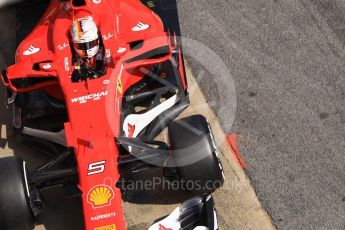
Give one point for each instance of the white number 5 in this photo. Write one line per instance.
(96, 167)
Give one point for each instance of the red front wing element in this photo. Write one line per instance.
(93, 105)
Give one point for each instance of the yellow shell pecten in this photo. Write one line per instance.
(100, 196)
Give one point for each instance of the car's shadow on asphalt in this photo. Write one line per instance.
(151, 187)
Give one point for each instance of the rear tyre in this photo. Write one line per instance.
(195, 154)
(14, 201)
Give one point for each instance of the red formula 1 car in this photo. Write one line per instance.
(101, 129)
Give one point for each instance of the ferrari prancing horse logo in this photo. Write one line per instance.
(119, 84)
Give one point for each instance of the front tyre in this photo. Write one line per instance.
(195, 154)
(14, 197)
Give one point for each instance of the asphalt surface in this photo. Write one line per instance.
(287, 61)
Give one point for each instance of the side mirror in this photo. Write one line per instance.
(44, 73)
(155, 49)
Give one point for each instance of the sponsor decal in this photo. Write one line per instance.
(216, 149)
(107, 55)
(107, 36)
(67, 6)
(31, 50)
(85, 18)
(119, 84)
(106, 82)
(93, 96)
(100, 196)
(66, 62)
(121, 50)
(118, 23)
(140, 26)
(47, 66)
(213, 141)
(62, 46)
(131, 129)
(96, 168)
(103, 216)
(96, 1)
(151, 4)
(108, 227)
(161, 227)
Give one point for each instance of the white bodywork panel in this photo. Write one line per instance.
(172, 223)
(140, 121)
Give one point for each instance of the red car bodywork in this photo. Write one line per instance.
(93, 106)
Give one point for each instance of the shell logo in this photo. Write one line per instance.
(100, 196)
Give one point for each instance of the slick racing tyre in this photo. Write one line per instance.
(195, 154)
(14, 201)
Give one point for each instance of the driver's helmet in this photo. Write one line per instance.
(85, 37)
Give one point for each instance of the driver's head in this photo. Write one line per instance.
(85, 37)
